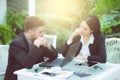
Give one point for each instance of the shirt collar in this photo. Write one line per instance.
(91, 40)
(29, 42)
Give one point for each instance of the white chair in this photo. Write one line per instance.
(3, 60)
(52, 39)
(113, 50)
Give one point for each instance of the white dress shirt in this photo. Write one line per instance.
(85, 47)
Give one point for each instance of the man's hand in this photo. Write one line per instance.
(41, 41)
(38, 42)
(46, 44)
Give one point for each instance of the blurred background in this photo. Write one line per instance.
(61, 17)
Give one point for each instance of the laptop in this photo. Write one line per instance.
(73, 49)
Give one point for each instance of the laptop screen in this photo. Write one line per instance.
(73, 49)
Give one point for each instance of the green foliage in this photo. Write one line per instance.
(109, 21)
(14, 25)
(15, 20)
(17, 6)
(6, 34)
(105, 6)
(61, 31)
(108, 12)
(17, 10)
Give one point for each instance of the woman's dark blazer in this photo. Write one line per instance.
(24, 55)
(97, 49)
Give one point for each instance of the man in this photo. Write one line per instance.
(29, 48)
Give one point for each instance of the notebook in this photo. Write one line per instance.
(73, 49)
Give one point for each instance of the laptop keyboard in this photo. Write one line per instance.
(56, 62)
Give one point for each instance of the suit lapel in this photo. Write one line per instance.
(25, 42)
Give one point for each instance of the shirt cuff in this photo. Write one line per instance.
(86, 57)
(69, 42)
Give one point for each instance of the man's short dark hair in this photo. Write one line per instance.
(33, 22)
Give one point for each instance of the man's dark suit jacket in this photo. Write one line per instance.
(23, 55)
(97, 49)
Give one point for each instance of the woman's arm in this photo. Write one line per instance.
(98, 52)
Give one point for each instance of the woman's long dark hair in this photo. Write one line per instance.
(94, 24)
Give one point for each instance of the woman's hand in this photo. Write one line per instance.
(75, 33)
(81, 57)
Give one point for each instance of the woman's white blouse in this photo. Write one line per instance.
(85, 47)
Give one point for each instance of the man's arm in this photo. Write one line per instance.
(50, 53)
(26, 58)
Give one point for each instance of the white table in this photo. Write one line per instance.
(108, 72)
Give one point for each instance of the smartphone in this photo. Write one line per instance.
(82, 74)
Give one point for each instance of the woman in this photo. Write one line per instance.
(92, 41)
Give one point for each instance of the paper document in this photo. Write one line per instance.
(48, 74)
